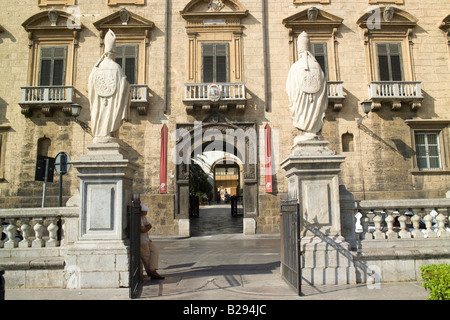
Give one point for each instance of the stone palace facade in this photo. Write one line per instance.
(204, 68)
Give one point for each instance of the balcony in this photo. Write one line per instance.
(396, 93)
(48, 98)
(336, 94)
(139, 98)
(199, 95)
(45, 98)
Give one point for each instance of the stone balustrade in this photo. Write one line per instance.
(34, 227)
(402, 219)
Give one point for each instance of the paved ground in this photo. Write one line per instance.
(228, 266)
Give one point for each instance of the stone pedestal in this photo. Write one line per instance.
(312, 172)
(100, 255)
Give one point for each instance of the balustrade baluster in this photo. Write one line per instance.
(38, 229)
(390, 233)
(378, 233)
(442, 233)
(52, 232)
(416, 233)
(366, 235)
(404, 231)
(25, 227)
(1, 231)
(428, 223)
(11, 230)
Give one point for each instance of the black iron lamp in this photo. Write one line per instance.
(75, 110)
(366, 106)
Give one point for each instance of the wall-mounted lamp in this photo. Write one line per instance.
(75, 110)
(366, 106)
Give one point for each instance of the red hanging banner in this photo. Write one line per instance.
(163, 161)
(268, 158)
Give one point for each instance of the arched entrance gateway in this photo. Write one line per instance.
(238, 143)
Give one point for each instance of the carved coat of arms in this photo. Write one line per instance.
(311, 80)
(215, 5)
(214, 92)
(105, 82)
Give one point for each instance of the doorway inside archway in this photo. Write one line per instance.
(223, 172)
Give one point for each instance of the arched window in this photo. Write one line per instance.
(43, 146)
(347, 142)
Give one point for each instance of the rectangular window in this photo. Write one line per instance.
(428, 151)
(319, 51)
(215, 62)
(52, 67)
(126, 57)
(389, 61)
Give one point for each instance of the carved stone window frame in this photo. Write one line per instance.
(311, 1)
(43, 32)
(130, 29)
(205, 25)
(386, 1)
(117, 2)
(399, 29)
(442, 126)
(321, 29)
(44, 3)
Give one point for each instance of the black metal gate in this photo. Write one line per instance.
(291, 255)
(237, 205)
(135, 242)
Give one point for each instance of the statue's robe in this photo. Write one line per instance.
(109, 97)
(306, 87)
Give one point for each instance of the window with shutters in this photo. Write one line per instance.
(127, 58)
(52, 60)
(214, 62)
(430, 141)
(428, 151)
(319, 51)
(389, 62)
(52, 66)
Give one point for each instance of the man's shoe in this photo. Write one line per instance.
(155, 276)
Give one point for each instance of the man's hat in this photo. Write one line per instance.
(144, 207)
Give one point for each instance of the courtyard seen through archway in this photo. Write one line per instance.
(224, 172)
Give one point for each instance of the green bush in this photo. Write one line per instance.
(436, 278)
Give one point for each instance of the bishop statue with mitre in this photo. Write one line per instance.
(109, 94)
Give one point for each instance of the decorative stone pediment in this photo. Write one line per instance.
(313, 20)
(53, 24)
(124, 22)
(52, 20)
(387, 19)
(214, 9)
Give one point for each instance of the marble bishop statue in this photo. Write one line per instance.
(307, 91)
(109, 94)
